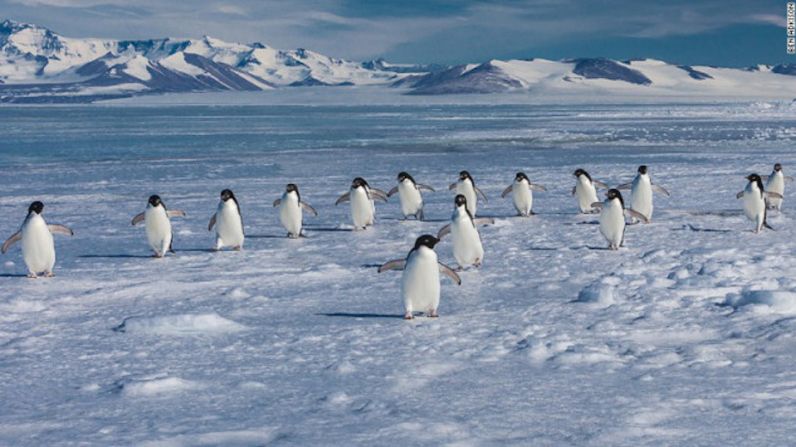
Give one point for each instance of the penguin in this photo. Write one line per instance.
(290, 210)
(158, 225)
(754, 201)
(585, 190)
(38, 247)
(612, 218)
(409, 194)
(361, 196)
(641, 189)
(522, 194)
(228, 222)
(420, 280)
(776, 183)
(466, 187)
(467, 248)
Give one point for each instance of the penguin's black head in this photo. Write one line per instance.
(464, 175)
(754, 178)
(578, 172)
(777, 167)
(291, 187)
(426, 240)
(358, 182)
(521, 176)
(403, 176)
(460, 200)
(227, 194)
(154, 200)
(613, 194)
(36, 207)
(642, 169)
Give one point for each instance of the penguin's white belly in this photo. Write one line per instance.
(523, 198)
(38, 247)
(420, 287)
(158, 229)
(467, 248)
(290, 215)
(586, 194)
(776, 183)
(612, 224)
(362, 209)
(754, 207)
(641, 198)
(229, 227)
(466, 189)
(411, 200)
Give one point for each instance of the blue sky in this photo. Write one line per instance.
(716, 32)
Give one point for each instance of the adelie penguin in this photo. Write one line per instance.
(776, 183)
(522, 194)
(361, 196)
(409, 195)
(641, 189)
(38, 247)
(228, 222)
(585, 190)
(290, 210)
(466, 187)
(158, 225)
(612, 218)
(420, 285)
(755, 199)
(467, 248)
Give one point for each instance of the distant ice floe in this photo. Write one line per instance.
(226, 438)
(158, 387)
(180, 325)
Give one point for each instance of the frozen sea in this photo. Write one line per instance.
(686, 336)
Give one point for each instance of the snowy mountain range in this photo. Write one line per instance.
(38, 65)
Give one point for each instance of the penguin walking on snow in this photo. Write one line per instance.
(612, 218)
(409, 195)
(755, 199)
(776, 183)
(641, 189)
(38, 247)
(466, 187)
(585, 191)
(290, 210)
(522, 194)
(420, 285)
(363, 208)
(467, 247)
(158, 225)
(228, 222)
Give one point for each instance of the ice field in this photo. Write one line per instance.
(686, 336)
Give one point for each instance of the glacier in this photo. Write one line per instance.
(38, 65)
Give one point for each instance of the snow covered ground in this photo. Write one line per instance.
(684, 337)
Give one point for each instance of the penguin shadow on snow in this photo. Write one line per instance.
(117, 256)
(329, 229)
(691, 227)
(360, 315)
(272, 236)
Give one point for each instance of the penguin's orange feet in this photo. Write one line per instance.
(408, 316)
(32, 275)
(49, 274)
(433, 314)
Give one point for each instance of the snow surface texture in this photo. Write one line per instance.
(40, 66)
(683, 337)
